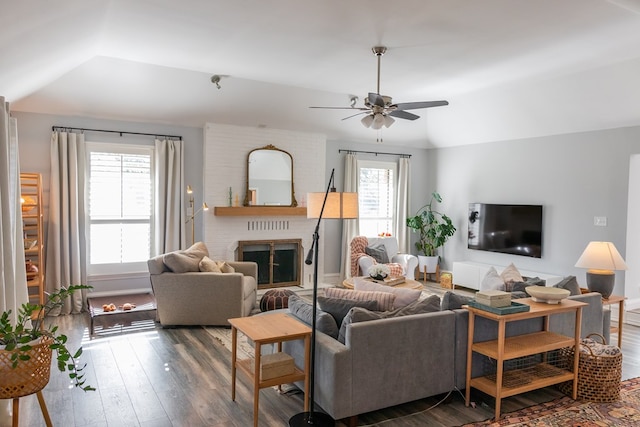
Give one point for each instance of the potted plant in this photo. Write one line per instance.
(28, 344)
(434, 229)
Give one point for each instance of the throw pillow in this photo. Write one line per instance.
(430, 304)
(303, 310)
(225, 267)
(378, 252)
(571, 284)
(338, 307)
(492, 281)
(511, 274)
(186, 260)
(453, 301)
(209, 265)
(385, 299)
(404, 296)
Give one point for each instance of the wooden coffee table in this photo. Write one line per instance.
(408, 283)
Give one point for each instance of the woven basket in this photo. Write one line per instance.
(30, 376)
(599, 376)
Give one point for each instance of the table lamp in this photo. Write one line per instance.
(601, 259)
(330, 205)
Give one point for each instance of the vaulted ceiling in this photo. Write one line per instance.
(509, 68)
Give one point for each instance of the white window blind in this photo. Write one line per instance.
(120, 205)
(376, 197)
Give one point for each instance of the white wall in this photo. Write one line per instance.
(575, 177)
(632, 277)
(225, 165)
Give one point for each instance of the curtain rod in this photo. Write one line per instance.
(374, 152)
(53, 128)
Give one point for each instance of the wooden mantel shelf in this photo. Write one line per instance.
(259, 211)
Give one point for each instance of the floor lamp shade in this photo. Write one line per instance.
(601, 259)
(338, 205)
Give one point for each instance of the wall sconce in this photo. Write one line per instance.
(601, 259)
(194, 213)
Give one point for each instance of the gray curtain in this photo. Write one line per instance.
(349, 226)
(169, 197)
(13, 276)
(402, 205)
(66, 262)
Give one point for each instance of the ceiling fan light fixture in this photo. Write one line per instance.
(388, 121)
(367, 120)
(378, 121)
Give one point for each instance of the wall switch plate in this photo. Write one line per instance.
(600, 221)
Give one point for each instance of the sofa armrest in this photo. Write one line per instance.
(248, 268)
(408, 262)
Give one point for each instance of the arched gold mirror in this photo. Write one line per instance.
(269, 178)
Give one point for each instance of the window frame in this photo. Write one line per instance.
(112, 269)
(379, 164)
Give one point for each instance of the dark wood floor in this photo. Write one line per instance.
(150, 376)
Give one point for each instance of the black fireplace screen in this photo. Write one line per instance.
(278, 261)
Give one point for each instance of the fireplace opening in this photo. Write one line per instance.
(279, 261)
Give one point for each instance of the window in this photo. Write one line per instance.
(376, 197)
(120, 204)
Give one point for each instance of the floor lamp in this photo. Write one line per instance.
(330, 205)
(193, 213)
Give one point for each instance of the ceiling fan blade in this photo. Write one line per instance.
(357, 114)
(403, 115)
(376, 99)
(343, 108)
(417, 105)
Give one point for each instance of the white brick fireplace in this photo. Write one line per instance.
(225, 165)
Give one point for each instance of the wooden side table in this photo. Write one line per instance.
(616, 299)
(613, 299)
(272, 328)
(509, 348)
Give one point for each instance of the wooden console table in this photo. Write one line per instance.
(268, 329)
(508, 348)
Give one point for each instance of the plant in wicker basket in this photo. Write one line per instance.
(26, 346)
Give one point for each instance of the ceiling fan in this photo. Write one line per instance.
(380, 109)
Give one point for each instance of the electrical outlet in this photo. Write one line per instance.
(600, 221)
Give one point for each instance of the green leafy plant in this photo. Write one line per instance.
(434, 227)
(29, 328)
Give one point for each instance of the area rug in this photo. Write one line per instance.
(223, 335)
(568, 412)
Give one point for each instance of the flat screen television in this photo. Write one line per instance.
(509, 229)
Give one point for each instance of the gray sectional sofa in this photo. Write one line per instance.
(386, 362)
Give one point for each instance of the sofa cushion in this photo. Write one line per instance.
(378, 252)
(385, 299)
(208, 265)
(453, 301)
(358, 314)
(492, 281)
(186, 260)
(303, 310)
(569, 283)
(404, 296)
(339, 307)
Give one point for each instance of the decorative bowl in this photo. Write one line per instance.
(547, 294)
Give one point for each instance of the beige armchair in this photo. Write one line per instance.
(202, 298)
